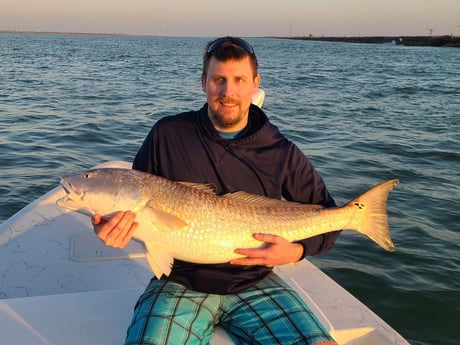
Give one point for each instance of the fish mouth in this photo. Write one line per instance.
(70, 189)
(65, 186)
(71, 200)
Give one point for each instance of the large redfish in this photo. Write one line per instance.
(190, 222)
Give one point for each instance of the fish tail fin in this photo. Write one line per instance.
(371, 218)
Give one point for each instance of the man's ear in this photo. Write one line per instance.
(203, 83)
(256, 82)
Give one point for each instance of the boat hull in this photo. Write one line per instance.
(52, 264)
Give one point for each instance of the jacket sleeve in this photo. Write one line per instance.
(304, 184)
(145, 157)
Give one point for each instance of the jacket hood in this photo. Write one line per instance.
(257, 134)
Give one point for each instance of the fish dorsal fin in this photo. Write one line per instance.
(261, 200)
(204, 187)
(163, 220)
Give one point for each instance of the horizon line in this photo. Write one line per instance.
(94, 33)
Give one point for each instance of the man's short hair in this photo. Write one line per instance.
(228, 48)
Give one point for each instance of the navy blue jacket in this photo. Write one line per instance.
(259, 160)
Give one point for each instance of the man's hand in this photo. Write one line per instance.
(116, 231)
(276, 251)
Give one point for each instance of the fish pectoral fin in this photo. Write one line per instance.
(159, 262)
(163, 221)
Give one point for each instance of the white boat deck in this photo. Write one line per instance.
(60, 285)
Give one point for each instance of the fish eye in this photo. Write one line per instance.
(86, 175)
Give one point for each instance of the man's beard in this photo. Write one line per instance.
(220, 118)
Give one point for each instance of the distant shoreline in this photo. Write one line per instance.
(27, 32)
(421, 41)
(425, 41)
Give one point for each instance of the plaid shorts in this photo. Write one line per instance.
(268, 313)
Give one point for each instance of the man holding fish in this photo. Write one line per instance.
(231, 145)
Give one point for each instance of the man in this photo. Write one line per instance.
(231, 144)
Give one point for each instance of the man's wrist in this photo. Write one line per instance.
(300, 251)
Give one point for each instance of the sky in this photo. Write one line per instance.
(246, 18)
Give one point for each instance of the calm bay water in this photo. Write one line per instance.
(362, 113)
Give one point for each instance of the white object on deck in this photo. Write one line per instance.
(258, 98)
(60, 285)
